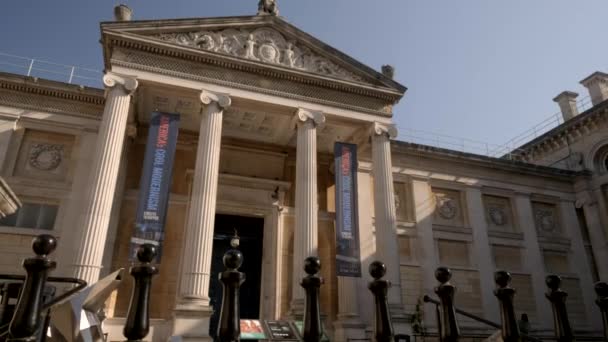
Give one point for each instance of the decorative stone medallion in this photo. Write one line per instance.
(45, 157)
(447, 207)
(498, 216)
(545, 220)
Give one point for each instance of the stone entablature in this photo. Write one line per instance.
(50, 96)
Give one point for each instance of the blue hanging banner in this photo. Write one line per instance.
(155, 184)
(348, 256)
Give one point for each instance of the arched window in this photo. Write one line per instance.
(600, 160)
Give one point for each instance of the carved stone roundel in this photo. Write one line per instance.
(45, 157)
(446, 207)
(498, 216)
(545, 220)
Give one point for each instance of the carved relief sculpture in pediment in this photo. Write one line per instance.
(263, 44)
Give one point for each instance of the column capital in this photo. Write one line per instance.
(303, 115)
(389, 130)
(223, 100)
(128, 83)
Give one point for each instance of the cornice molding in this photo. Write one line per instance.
(160, 48)
(567, 133)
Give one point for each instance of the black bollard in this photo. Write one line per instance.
(229, 329)
(601, 289)
(449, 331)
(313, 331)
(383, 327)
(557, 297)
(505, 295)
(137, 325)
(27, 318)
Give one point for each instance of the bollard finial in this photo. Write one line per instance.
(601, 289)
(44, 245)
(443, 275)
(233, 259)
(377, 270)
(146, 253)
(553, 282)
(312, 265)
(502, 279)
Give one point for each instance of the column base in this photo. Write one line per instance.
(191, 323)
(296, 310)
(401, 321)
(348, 327)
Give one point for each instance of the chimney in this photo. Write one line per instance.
(567, 103)
(122, 13)
(597, 84)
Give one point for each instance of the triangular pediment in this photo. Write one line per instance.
(266, 40)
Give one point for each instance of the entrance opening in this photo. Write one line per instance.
(251, 234)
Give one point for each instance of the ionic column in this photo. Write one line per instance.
(387, 244)
(198, 237)
(97, 203)
(307, 207)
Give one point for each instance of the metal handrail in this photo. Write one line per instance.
(428, 299)
(81, 284)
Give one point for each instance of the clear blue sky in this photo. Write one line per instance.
(480, 69)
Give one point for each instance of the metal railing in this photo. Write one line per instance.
(50, 70)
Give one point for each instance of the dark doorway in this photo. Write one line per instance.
(251, 233)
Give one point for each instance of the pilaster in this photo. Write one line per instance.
(597, 238)
(534, 264)
(579, 263)
(483, 253)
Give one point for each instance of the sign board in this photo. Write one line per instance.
(281, 330)
(348, 256)
(155, 181)
(251, 329)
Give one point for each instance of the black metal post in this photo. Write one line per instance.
(229, 329)
(383, 327)
(505, 295)
(137, 325)
(449, 327)
(27, 318)
(557, 297)
(313, 331)
(601, 289)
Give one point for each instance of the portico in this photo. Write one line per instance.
(257, 129)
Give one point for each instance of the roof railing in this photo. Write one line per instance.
(54, 71)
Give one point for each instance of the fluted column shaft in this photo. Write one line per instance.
(387, 244)
(306, 229)
(97, 206)
(198, 239)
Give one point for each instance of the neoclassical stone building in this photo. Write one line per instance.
(261, 104)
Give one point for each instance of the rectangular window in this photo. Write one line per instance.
(32, 216)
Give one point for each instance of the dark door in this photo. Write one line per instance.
(251, 233)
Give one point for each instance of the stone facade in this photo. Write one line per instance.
(258, 142)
